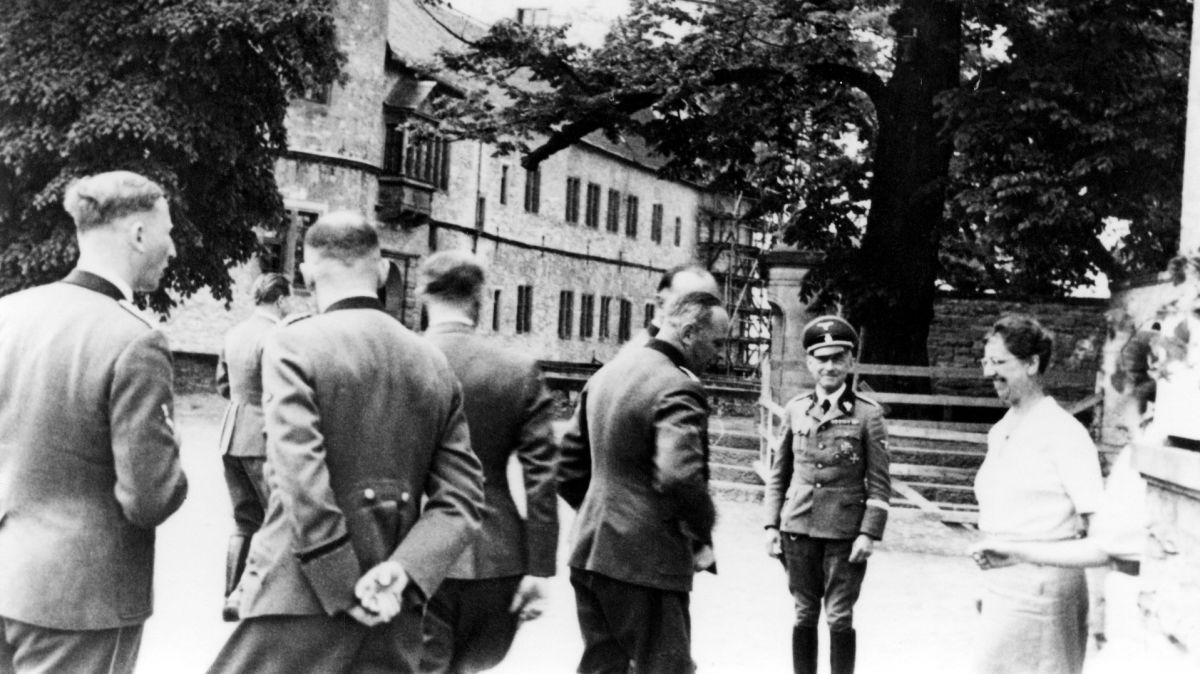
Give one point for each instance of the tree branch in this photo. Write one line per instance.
(869, 83)
(631, 102)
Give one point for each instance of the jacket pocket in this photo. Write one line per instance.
(375, 520)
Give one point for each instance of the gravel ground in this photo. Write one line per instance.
(916, 612)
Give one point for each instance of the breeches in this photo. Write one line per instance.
(29, 649)
(820, 568)
(247, 491)
(468, 627)
(286, 644)
(631, 628)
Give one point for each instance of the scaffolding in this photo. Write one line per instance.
(729, 247)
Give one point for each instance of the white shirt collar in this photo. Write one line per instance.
(832, 397)
(267, 315)
(120, 283)
(454, 321)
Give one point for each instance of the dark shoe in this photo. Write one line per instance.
(843, 647)
(804, 649)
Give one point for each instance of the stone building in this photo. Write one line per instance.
(574, 249)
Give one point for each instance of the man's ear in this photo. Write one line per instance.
(137, 235)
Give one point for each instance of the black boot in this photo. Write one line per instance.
(235, 563)
(804, 649)
(842, 649)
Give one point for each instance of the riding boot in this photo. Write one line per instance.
(804, 649)
(842, 650)
(235, 563)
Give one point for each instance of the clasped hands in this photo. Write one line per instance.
(379, 593)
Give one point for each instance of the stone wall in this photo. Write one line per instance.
(956, 336)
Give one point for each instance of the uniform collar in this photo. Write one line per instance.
(356, 302)
(100, 283)
(842, 401)
(670, 351)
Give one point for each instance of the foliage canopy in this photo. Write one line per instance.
(980, 145)
(191, 93)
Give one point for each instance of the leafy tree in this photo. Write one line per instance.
(192, 93)
(899, 137)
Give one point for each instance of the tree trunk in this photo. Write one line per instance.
(899, 262)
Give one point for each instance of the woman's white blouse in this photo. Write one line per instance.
(1038, 476)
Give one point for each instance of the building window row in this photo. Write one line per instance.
(591, 201)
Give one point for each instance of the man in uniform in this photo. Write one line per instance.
(827, 496)
(635, 466)
(471, 621)
(89, 459)
(363, 419)
(243, 445)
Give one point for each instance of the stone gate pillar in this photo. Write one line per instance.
(785, 271)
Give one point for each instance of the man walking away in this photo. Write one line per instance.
(89, 459)
(501, 579)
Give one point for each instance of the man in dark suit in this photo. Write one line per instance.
(243, 445)
(89, 459)
(363, 419)
(634, 463)
(500, 580)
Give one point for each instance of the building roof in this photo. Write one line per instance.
(417, 32)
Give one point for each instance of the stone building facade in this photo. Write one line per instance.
(574, 249)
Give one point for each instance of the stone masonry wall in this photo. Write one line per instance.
(960, 323)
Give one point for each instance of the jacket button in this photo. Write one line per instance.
(820, 465)
(369, 494)
(817, 485)
(404, 497)
(821, 446)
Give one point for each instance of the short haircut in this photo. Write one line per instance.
(97, 200)
(668, 277)
(695, 308)
(451, 276)
(268, 288)
(1025, 338)
(346, 236)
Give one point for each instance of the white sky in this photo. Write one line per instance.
(589, 19)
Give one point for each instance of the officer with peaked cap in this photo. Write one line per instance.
(827, 495)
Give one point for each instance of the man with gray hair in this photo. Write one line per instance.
(375, 491)
(635, 465)
(501, 579)
(242, 443)
(89, 459)
(675, 282)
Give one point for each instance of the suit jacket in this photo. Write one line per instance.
(363, 417)
(831, 477)
(89, 460)
(239, 379)
(635, 465)
(508, 410)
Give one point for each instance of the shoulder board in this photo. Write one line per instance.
(296, 318)
(869, 401)
(136, 313)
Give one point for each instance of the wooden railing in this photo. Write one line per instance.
(924, 480)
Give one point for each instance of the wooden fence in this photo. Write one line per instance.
(934, 455)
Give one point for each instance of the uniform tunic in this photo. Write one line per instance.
(829, 483)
